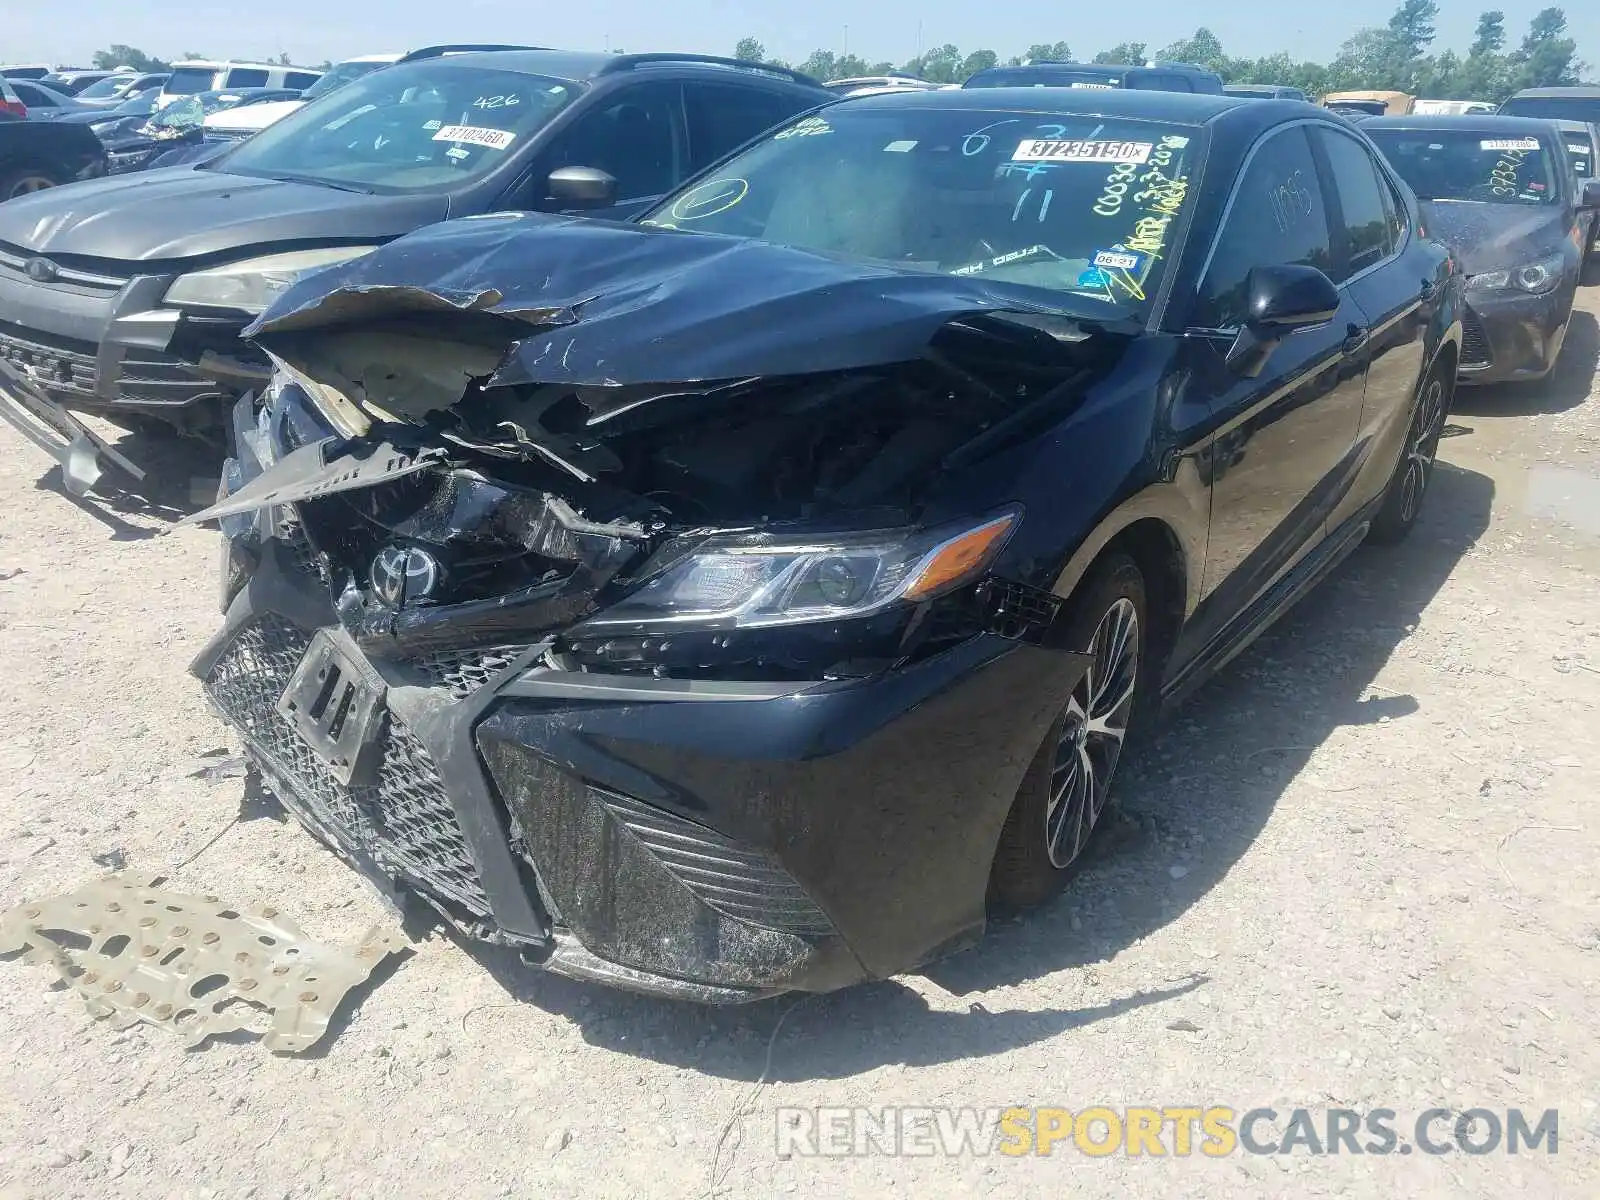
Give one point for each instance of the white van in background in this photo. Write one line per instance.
(237, 123)
(242, 122)
(202, 75)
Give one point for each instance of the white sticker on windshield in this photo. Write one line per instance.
(901, 147)
(1509, 144)
(430, 126)
(1052, 150)
(1571, 149)
(1117, 260)
(1096, 87)
(475, 135)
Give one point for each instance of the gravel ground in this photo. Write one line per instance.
(1358, 871)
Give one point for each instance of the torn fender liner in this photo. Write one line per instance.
(596, 303)
(192, 964)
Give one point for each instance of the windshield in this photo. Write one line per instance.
(1071, 203)
(107, 88)
(1041, 76)
(345, 72)
(413, 128)
(1559, 108)
(1468, 166)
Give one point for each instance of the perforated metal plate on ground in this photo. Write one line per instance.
(192, 964)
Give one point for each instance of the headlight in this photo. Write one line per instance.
(1535, 278)
(251, 285)
(750, 581)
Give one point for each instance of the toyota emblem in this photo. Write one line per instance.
(41, 270)
(403, 574)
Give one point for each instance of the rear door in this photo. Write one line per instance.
(1391, 288)
(1279, 461)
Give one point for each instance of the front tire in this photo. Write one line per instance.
(1402, 501)
(23, 180)
(1068, 785)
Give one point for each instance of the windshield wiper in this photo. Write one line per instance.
(327, 183)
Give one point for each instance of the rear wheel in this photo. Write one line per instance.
(20, 181)
(1402, 502)
(1068, 785)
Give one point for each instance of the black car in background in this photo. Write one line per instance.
(742, 599)
(1555, 103)
(1582, 142)
(181, 259)
(1158, 77)
(1501, 193)
(35, 155)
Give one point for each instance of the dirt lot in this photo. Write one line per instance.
(1357, 872)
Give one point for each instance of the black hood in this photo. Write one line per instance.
(595, 303)
(1496, 237)
(155, 216)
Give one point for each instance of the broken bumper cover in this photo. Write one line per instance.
(714, 842)
(77, 448)
(1507, 336)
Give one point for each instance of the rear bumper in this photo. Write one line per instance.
(713, 844)
(1511, 337)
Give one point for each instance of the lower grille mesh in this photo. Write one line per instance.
(732, 879)
(404, 822)
(465, 671)
(1474, 342)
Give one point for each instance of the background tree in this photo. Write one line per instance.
(118, 55)
(749, 49)
(1202, 49)
(1128, 54)
(1547, 56)
(1044, 52)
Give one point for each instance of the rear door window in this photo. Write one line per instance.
(723, 117)
(300, 79)
(1368, 231)
(242, 77)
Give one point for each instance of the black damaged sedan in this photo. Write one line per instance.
(754, 598)
(1500, 192)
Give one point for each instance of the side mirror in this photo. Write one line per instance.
(1279, 300)
(582, 187)
(1589, 194)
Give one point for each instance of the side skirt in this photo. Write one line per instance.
(1259, 617)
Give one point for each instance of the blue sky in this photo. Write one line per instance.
(311, 30)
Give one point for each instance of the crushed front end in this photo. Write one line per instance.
(699, 690)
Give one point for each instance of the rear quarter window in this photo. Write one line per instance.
(299, 79)
(242, 77)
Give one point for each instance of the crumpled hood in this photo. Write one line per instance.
(180, 213)
(1496, 237)
(598, 303)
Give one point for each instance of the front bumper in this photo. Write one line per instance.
(1508, 336)
(711, 842)
(105, 343)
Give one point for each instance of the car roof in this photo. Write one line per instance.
(576, 65)
(1586, 93)
(1192, 108)
(229, 63)
(1486, 123)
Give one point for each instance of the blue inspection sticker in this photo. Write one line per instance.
(1093, 277)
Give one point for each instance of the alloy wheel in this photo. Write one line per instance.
(1421, 448)
(1092, 733)
(29, 183)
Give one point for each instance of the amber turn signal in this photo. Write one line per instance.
(958, 559)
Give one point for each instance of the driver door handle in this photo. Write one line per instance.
(1355, 337)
